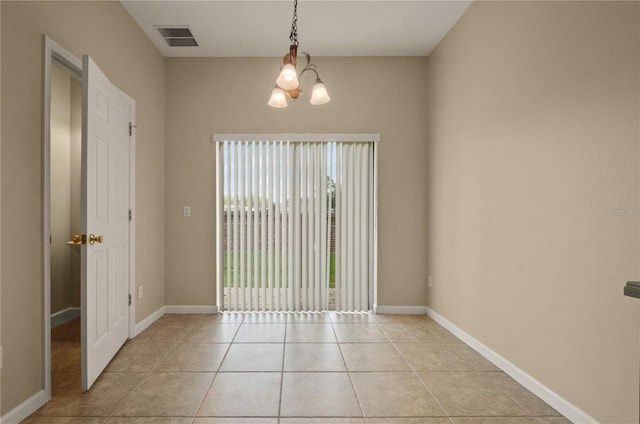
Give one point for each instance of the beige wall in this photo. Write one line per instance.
(533, 149)
(369, 95)
(105, 31)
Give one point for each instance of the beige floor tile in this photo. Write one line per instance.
(308, 317)
(139, 357)
(395, 394)
(194, 357)
(430, 323)
(523, 397)
(393, 318)
(266, 318)
(182, 320)
(445, 336)
(253, 357)
(472, 357)
(63, 420)
(310, 333)
(318, 395)
(408, 332)
(148, 420)
(163, 334)
(553, 420)
(312, 420)
(373, 357)
(237, 420)
(166, 378)
(211, 332)
(359, 333)
(265, 333)
(470, 394)
(166, 395)
(353, 317)
(423, 420)
(314, 357)
(432, 357)
(242, 395)
(100, 401)
(226, 318)
(495, 420)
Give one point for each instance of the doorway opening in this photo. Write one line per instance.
(296, 222)
(65, 129)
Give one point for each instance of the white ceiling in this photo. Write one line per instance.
(325, 28)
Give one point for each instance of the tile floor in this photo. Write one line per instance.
(289, 369)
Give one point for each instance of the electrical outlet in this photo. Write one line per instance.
(429, 281)
(187, 211)
(140, 292)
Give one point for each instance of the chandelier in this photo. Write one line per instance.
(288, 82)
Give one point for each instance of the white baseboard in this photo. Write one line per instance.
(173, 309)
(560, 404)
(64, 315)
(400, 310)
(190, 309)
(145, 323)
(25, 409)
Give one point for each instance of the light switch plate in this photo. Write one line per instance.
(187, 211)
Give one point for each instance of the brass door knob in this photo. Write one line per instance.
(95, 239)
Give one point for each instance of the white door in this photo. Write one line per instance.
(105, 220)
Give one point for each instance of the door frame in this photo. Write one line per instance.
(218, 139)
(55, 53)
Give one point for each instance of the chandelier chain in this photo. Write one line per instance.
(293, 36)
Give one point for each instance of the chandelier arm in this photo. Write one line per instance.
(308, 57)
(310, 68)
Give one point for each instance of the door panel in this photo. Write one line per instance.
(105, 186)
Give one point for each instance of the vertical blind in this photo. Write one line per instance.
(295, 225)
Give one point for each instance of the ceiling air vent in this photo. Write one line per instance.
(177, 36)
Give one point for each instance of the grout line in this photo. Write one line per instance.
(215, 374)
(284, 352)
(348, 373)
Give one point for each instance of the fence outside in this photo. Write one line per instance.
(256, 222)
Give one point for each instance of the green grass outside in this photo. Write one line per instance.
(249, 258)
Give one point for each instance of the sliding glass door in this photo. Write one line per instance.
(295, 223)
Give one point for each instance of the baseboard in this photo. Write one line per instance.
(400, 310)
(556, 401)
(173, 309)
(64, 315)
(25, 409)
(145, 323)
(190, 309)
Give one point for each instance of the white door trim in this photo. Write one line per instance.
(55, 53)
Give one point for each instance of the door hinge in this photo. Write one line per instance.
(129, 300)
(129, 214)
(131, 127)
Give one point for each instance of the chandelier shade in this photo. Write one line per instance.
(319, 95)
(288, 79)
(278, 98)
